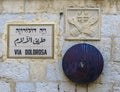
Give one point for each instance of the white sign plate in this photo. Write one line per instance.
(30, 41)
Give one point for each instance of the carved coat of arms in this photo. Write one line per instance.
(83, 24)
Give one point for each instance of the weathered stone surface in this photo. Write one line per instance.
(90, 3)
(39, 6)
(14, 70)
(53, 6)
(65, 4)
(67, 87)
(29, 17)
(116, 88)
(60, 73)
(110, 25)
(51, 73)
(3, 20)
(112, 6)
(37, 71)
(116, 49)
(46, 87)
(115, 70)
(81, 88)
(55, 72)
(25, 87)
(106, 76)
(1, 7)
(104, 47)
(100, 88)
(118, 5)
(14, 6)
(1, 47)
(4, 87)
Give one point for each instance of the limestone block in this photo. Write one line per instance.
(55, 72)
(107, 75)
(116, 88)
(100, 88)
(115, 70)
(46, 87)
(51, 72)
(105, 7)
(4, 87)
(14, 6)
(67, 87)
(14, 70)
(81, 88)
(60, 5)
(37, 71)
(118, 5)
(113, 7)
(29, 17)
(1, 47)
(90, 3)
(1, 7)
(39, 6)
(104, 47)
(50, 17)
(5, 18)
(110, 25)
(116, 49)
(25, 87)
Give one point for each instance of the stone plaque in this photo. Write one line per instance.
(82, 24)
(30, 41)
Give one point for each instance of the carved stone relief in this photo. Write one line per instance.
(82, 24)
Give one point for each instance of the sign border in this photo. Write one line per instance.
(30, 57)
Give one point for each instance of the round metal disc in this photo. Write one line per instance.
(82, 63)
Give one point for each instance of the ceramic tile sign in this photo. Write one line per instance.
(30, 41)
(82, 24)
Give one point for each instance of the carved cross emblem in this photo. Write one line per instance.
(82, 16)
(82, 24)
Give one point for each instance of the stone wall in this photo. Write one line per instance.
(43, 75)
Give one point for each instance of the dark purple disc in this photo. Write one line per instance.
(82, 63)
